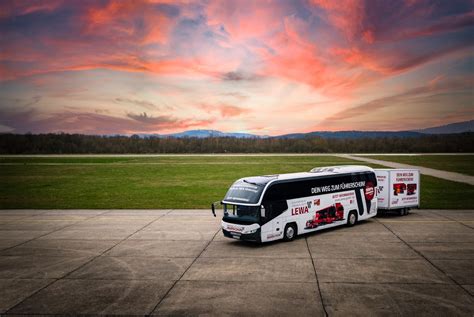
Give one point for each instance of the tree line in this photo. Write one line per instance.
(95, 144)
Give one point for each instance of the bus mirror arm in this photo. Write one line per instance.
(213, 209)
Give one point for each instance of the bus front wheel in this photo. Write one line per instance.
(351, 218)
(290, 232)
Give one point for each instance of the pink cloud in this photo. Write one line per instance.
(244, 19)
(113, 36)
(119, 19)
(19, 8)
(225, 110)
(347, 16)
(298, 59)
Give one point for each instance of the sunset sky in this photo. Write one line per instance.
(263, 67)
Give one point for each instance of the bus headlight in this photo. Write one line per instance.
(252, 231)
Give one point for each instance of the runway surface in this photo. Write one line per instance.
(177, 262)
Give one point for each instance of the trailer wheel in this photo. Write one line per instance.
(351, 218)
(403, 212)
(290, 232)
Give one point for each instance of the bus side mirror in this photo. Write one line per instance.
(262, 211)
(213, 209)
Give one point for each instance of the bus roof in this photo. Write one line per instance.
(315, 172)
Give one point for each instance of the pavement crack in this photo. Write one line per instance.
(180, 278)
(53, 231)
(454, 220)
(317, 280)
(85, 263)
(426, 259)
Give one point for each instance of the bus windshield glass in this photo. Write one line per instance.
(247, 191)
(241, 214)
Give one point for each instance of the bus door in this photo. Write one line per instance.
(274, 222)
(277, 225)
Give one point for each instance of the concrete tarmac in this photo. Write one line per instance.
(177, 262)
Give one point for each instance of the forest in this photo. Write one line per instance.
(95, 144)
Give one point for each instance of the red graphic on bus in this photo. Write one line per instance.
(326, 216)
(411, 189)
(369, 191)
(399, 188)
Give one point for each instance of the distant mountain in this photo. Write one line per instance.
(458, 127)
(205, 134)
(211, 133)
(322, 134)
(351, 134)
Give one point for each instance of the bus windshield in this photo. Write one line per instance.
(241, 214)
(248, 190)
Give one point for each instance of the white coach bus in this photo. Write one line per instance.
(273, 207)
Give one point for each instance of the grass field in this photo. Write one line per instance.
(165, 182)
(452, 163)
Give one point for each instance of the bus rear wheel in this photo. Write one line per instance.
(403, 212)
(290, 232)
(351, 218)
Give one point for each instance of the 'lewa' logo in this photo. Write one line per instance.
(369, 190)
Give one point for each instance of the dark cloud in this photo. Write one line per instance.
(15, 118)
(142, 103)
(23, 121)
(150, 123)
(34, 100)
(170, 10)
(19, 102)
(403, 63)
(426, 91)
(370, 21)
(236, 95)
(149, 120)
(446, 24)
(238, 76)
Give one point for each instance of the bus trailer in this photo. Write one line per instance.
(398, 190)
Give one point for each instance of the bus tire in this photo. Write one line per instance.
(290, 232)
(351, 218)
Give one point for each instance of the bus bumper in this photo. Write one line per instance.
(255, 237)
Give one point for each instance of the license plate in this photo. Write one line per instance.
(236, 236)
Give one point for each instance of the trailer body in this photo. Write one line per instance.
(397, 189)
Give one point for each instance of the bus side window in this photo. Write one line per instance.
(279, 207)
(275, 208)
